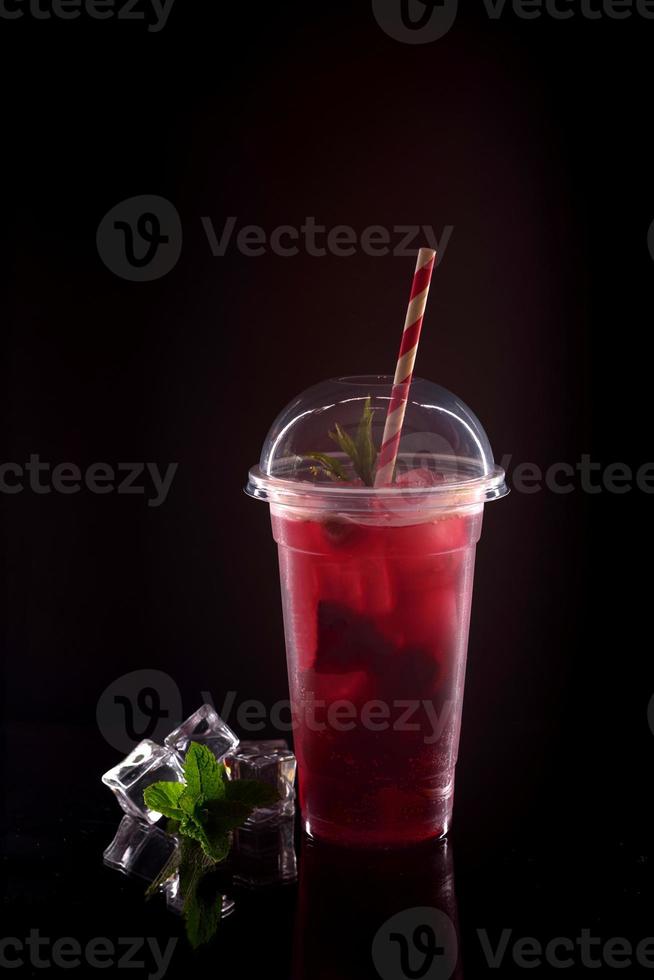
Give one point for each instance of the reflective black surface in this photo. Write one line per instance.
(492, 887)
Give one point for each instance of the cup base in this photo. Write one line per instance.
(372, 839)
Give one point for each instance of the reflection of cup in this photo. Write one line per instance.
(376, 590)
(366, 914)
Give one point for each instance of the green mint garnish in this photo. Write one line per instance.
(207, 806)
(203, 774)
(204, 810)
(164, 798)
(361, 451)
(367, 454)
(332, 467)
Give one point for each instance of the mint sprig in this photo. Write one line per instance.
(204, 809)
(360, 450)
(207, 806)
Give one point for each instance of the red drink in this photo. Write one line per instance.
(376, 619)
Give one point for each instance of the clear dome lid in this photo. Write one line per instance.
(322, 449)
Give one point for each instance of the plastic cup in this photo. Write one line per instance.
(376, 591)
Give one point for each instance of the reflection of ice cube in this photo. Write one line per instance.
(206, 727)
(139, 849)
(265, 854)
(269, 762)
(146, 764)
(175, 899)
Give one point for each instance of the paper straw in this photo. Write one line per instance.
(404, 370)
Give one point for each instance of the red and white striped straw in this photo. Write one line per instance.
(404, 370)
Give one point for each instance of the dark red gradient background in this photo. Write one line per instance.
(530, 138)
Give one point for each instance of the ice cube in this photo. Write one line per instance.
(146, 764)
(140, 849)
(206, 727)
(420, 476)
(175, 898)
(265, 854)
(269, 762)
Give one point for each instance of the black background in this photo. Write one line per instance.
(530, 138)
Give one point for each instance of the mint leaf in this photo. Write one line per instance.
(203, 775)
(367, 454)
(346, 444)
(332, 466)
(251, 793)
(190, 826)
(165, 798)
(223, 816)
(215, 844)
(188, 802)
(242, 797)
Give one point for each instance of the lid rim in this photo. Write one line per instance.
(270, 488)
